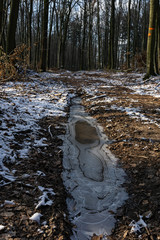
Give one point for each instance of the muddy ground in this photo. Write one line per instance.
(134, 141)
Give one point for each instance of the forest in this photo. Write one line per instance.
(84, 34)
(79, 119)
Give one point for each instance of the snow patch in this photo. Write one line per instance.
(136, 226)
(7, 202)
(22, 106)
(44, 198)
(36, 217)
(1, 227)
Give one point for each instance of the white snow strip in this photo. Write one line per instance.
(49, 130)
(135, 113)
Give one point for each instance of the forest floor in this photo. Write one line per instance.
(33, 117)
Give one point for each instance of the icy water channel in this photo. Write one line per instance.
(91, 176)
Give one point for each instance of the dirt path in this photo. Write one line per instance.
(137, 144)
(131, 122)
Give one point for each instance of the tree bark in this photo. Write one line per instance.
(128, 34)
(111, 42)
(158, 44)
(44, 36)
(11, 43)
(99, 37)
(30, 30)
(151, 38)
(50, 35)
(83, 65)
(90, 50)
(65, 30)
(1, 20)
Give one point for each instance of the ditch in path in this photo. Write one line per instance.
(91, 176)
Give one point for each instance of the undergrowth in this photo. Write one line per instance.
(14, 65)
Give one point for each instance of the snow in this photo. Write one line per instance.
(135, 113)
(22, 105)
(136, 226)
(36, 217)
(40, 173)
(7, 202)
(1, 227)
(44, 199)
(152, 87)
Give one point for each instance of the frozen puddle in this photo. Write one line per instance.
(91, 176)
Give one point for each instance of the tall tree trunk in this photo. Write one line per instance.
(158, 47)
(50, 35)
(4, 27)
(1, 20)
(106, 37)
(99, 37)
(144, 34)
(111, 42)
(22, 38)
(44, 36)
(65, 30)
(156, 43)
(59, 37)
(90, 50)
(30, 30)
(84, 36)
(151, 38)
(128, 34)
(11, 43)
(136, 27)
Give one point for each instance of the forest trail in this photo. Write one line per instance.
(33, 118)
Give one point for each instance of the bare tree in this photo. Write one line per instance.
(128, 34)
(151, 38)
(11, 43)
(44, 36)
(1, 20)
(111, 41)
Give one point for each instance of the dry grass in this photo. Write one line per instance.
(14, 65)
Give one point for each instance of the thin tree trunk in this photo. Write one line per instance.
(106, 38)
(90, 36)
(128, 34)
(111, 42)
(30, 30)
(59, 38)
(65, 30)
(144, 34)
(38, 39)
(44, 36)
(99, 37)
(50, 35)
(84, 36)
(137, 16)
